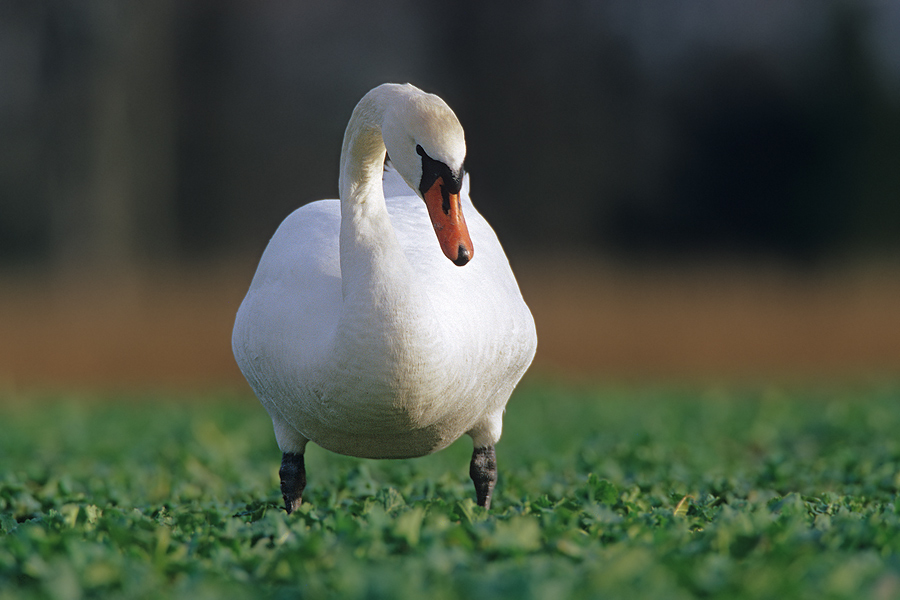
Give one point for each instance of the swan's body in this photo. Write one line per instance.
(358, 333)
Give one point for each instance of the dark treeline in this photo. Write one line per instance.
(134, 131)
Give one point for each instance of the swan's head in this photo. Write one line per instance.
(427, 146)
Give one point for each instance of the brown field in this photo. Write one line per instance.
(171, 328)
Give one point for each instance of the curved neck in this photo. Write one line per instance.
(383, 300)
(386, 314)
(362, 153)
(371, 256)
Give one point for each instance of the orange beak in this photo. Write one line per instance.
(448, 222)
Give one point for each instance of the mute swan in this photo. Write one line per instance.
(357, 333)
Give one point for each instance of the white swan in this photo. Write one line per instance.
(357, 333)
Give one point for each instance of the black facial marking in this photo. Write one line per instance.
(431, 170)
(445, 202)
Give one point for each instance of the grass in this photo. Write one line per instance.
(612, 492)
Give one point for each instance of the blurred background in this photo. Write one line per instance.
(690, 188)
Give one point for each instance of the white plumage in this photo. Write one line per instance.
(357, 332)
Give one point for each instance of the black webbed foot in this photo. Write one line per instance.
(293, 480)
(483, 471)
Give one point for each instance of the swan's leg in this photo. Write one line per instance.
(483, 471)
(483, 468)
(293, 480)
(293, 468)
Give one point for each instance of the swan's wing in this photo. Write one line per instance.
(299, 275)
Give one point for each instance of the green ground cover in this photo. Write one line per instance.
(604, 492)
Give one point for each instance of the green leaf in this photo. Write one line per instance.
(8, 523)
(602, 490)
(409, 525)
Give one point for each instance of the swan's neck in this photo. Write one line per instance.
(362, 156)
(386, 316)
(371, 257)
